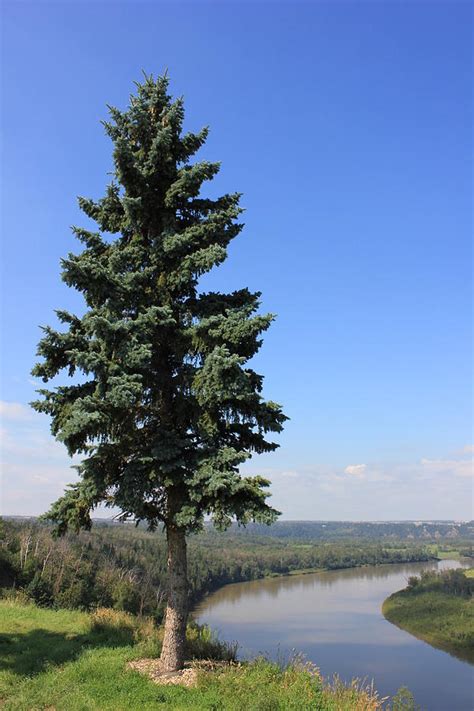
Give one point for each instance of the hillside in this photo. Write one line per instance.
(71, 661)
(125, 568)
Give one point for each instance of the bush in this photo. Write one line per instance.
(203, 643)
(403, 701)
(125, 596)
(40, 591)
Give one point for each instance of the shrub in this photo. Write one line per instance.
(403, 701)
(203, 643)
(40, 591)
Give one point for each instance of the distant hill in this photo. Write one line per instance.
(335, 530)
(369, 530)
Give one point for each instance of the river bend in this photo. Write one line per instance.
(334, 618)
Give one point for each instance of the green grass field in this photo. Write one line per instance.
(442, 620)
(443, 552)
(72, 661)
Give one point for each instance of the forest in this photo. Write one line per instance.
(124, 567)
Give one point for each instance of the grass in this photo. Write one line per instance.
(452, 554)
(72, 661)
(443, 552)
(445, 621)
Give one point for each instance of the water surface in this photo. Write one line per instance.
(335, 620)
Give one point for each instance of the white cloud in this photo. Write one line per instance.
(34, 466)
(468, 449)
(448, 467)
(14, 411)
(289, 474)
(356, 470)
(428, 488)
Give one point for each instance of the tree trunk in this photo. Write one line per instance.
(174, 641)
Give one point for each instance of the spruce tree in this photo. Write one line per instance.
(166, 407)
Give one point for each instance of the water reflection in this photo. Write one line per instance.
(273, 587)
(334, 618)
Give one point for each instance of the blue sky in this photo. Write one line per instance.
(347, 127)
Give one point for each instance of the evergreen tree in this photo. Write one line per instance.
(166, 408)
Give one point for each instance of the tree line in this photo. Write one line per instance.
(452, 582)
(441, 531)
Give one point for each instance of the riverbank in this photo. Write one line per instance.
(70, 660)
(438, 609)
(297, 572)
(361, 566)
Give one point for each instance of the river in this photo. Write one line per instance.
(334, 618)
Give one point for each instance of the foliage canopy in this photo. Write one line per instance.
(167, 406)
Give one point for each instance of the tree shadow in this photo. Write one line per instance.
(31, 653)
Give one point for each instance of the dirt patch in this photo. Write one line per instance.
(185, 677)
(152, 669)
